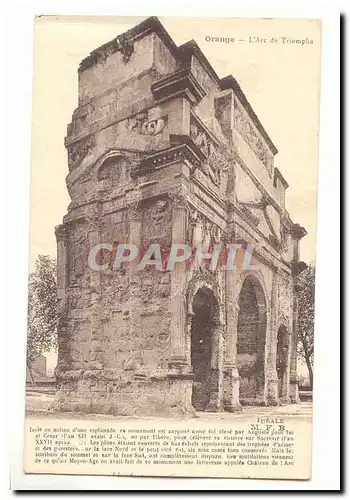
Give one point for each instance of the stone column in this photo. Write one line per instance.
(62, 262)
(96, 352)
(62, 285)
(272, 379)
(216, 372)
(231, 376)
(135, 224)
(178, 353)
(288, 341)
(293, 380)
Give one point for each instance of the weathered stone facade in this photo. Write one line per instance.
(161, 150)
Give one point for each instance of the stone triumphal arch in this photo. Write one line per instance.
(160, 149)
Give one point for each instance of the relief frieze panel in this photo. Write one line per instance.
(216, 163)
(251, 136)
(156, 222)
(144, 124)
(202, 231)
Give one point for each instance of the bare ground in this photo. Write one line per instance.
(39, 404)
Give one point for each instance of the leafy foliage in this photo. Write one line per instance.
(42, 308)
(306, 315)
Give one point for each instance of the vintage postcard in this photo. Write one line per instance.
(172, 247)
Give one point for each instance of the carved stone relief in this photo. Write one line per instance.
(246, 129)
(216, 162)
(160, 211)
(145, 125)
(200, 231)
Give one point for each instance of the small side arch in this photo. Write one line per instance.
(113, 167)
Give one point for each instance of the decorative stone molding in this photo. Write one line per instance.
(297, 267)
(298, 232)
(162, 158)
(180, 83)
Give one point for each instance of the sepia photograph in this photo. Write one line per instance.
(171, 292)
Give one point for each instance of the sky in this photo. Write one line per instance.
(280, 80)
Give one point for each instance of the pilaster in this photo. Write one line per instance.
(272, 379)
(216, 372)
(62, 285)
(231, 376)
(293, 380)
(178, 353)
(96, 352)
(135, 224)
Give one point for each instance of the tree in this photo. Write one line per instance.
(306, 316)
(42, 309)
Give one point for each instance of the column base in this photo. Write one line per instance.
(294, 393)
(231, 389)
(214, 407)
(233, 407)
(176, 360)
(260, 401)
(273, 402)
(107, 392)
(215, 402)
(272, 393)
(285, 400)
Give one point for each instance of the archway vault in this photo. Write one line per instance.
(205, 339)
(251, 340)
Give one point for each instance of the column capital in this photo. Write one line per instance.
(135, 210)
(179, 199)
(61, 232)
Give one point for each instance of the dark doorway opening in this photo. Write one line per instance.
(204, 310)
(251, 338)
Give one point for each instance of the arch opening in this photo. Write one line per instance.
(251, 340)
(205, 312)
(114, 169)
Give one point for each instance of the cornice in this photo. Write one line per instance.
(181, 82)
